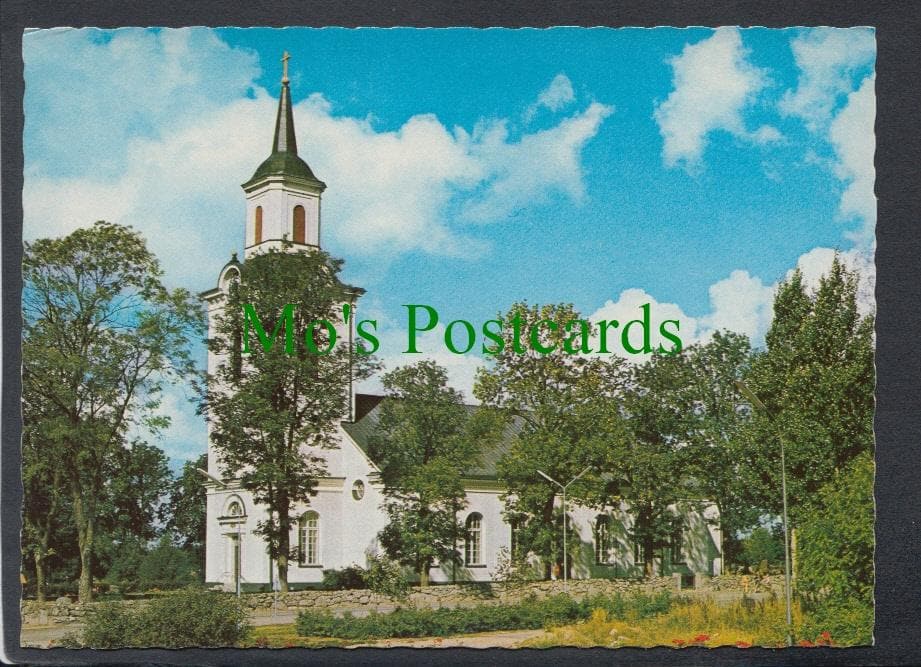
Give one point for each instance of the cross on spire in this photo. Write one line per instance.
(284, 62)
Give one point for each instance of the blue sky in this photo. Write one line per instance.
(467, 169)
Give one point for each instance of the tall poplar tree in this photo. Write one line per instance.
(816, 377)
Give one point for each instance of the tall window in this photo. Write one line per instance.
(602, 539)
(473, 549)
(299, 224)
(308, 543)
(258, 235)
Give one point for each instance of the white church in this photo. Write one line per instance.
(339, 526)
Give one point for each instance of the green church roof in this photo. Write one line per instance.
(284, 160)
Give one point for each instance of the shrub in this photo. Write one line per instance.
(529, 614)
(385, 577)
(190, 617)
(347, 578)
(513, 570)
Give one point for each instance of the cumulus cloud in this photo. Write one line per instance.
(713, 83)
(173, 171)
(554, 97)
(828, 60)
(854, 141)
(835, 98)
(96, 88)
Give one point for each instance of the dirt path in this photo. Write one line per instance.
(500, 639)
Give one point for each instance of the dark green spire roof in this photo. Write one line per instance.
(284, 160)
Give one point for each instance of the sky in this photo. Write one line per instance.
(692, 169)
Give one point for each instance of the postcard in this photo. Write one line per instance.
(434, 338)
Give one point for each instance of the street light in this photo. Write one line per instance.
(564, 487)
(757, 404)
(239, 545)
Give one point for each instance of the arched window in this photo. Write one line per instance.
(234, 509)
(308, 542)
(299, 224)
(473, 548)
(602, 539)
(258, 235)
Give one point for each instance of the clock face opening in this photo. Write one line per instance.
(358, 490)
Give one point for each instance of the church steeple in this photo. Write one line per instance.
(283, 194)
(285, 141)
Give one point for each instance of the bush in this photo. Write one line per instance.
(385, 577)
(529, 614)
(347, 578)
(190, 617)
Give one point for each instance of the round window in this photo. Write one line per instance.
(358, 490)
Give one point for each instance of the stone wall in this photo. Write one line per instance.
(65, 611)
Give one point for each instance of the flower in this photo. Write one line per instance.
(741, 644)
(678, 642)
(805, 643)
(701, 638)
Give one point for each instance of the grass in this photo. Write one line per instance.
(285, 636)
(687, 623)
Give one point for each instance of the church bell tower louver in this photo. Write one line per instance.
(283, 195)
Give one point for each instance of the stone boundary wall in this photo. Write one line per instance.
(64, 611)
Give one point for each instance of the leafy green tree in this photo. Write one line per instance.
(422, 448)
(183, 514)
(273, 411)
(816, 378)
(714, 457)
(44, 493)
(763, 546)
(652, 475)
(555, 401)
(836, 537)
(101, 336)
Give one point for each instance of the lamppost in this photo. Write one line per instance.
(757, 404)
(224, 486)
(564, 487)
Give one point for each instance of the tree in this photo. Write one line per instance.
(44, 493)
(816, 379)
(763, 546)
(183, 514)
(836, 572)
(101, 336)
(555, 398)
(422, 448)
(652, 476)
(273, 411)
(714, 458)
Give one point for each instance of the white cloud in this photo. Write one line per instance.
(518, 174)
(713, 84)
(832, 63)
(627, 307)
(168, 159)
(554, 97)
(852, 136)
(828, 60)
(93, 89)
(740, 303)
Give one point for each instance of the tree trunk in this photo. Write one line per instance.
(85, 544)
(284, 547)
(424, 575)
(39, 575)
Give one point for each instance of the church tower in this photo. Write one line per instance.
(283, 196)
